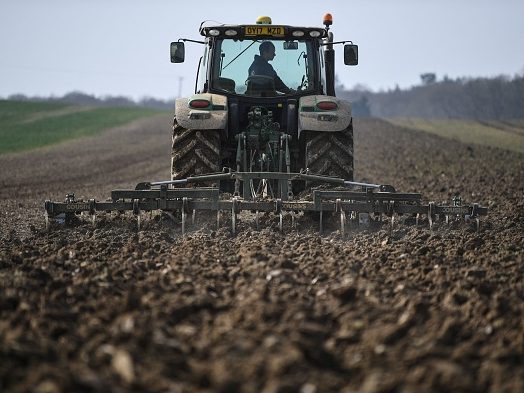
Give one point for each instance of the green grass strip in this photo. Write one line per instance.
(505, 135)
(29, 125)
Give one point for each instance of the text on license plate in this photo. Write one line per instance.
(275, 31)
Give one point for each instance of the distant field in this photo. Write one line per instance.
(28, 125)
(507, 135)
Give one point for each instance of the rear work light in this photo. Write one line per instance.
(327, 105)
(231, 32)
(199, 104)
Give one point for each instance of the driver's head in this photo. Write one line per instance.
(267, 50)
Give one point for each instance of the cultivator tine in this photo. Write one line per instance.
(474, 213)
(193, 217)
(184, 215)
(417, 218)
(350, 218)
(183, 223)
(392, 224)
(92, 212)
(278, 209)
(339, 208)
(431, 209)
(320, 222)
(218, 220)
(47, 223)
(391, 214)
(136, 212)
(234, 211)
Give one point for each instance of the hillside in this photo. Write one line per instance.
(27, 125)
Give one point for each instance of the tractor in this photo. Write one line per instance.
(264, 132)
(281, 119)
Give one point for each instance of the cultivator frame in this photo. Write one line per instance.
(352, 201)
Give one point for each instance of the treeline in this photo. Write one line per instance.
(79, 98)
(463, 98)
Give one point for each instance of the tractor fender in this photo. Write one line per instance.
(212, 117)
(312, 118)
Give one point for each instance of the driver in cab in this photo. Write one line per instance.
(261, 66)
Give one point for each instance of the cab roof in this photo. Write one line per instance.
(264, 31)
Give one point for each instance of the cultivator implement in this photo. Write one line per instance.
(350, 203)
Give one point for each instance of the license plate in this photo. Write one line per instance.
(273, 31)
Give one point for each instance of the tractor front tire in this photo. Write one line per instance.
(194, 152)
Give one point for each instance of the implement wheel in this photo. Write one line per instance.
(330, 153)
(194, 152)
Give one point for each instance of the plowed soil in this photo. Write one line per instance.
(106, 309)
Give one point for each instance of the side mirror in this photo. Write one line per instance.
(177, 52)
(350, 54)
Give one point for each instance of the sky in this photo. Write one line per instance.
(121, 47)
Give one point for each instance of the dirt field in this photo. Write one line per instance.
(109, 309)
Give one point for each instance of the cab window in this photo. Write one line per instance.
(200, 86)
(292, 63)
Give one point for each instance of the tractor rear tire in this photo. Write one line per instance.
(330, 153)
(194, 152)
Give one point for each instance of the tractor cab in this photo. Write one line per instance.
(301, 62)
